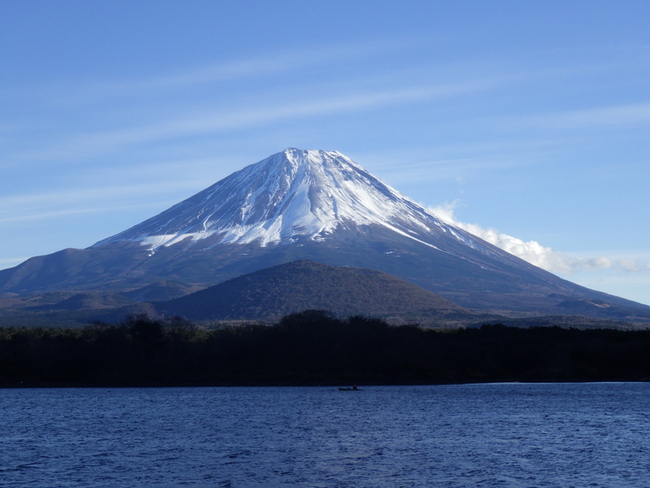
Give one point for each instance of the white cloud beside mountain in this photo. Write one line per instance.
(533, 252)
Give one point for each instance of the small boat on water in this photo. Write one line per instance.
(351, 388)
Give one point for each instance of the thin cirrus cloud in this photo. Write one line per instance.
(202, 123)
(229, 71)
(619, 115)
(533, 252)
(279, 63)
(622, 116)
(99, 199)
(9, 262)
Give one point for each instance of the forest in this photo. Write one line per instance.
(314, 348)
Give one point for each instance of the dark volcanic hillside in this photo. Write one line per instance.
(320, 206)
(303, 285)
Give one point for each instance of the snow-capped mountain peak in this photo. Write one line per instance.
(292, 194)
(320, 206)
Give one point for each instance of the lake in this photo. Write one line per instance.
(485, 435)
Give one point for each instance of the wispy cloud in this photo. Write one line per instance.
(425, 170)
(227, 70)
(619, 115)
(609, 117)
(204, 122)
(282, 62)
(377, 90)
(10, 262)
(41, 215)
(100, 199)
(537, 254)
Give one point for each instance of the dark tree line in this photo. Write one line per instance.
(314, 348)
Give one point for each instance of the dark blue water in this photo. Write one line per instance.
(495, 435)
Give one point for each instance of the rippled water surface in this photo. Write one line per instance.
(493, 435)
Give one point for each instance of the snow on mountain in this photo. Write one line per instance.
(320, 206)
(291, 194)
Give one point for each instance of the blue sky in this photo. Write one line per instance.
(527, 122)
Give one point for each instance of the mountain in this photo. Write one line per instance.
(161, 290)
(274, 292)
(321, 206)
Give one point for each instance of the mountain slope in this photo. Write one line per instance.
(295, 194)
(274, 292)
(317, 205)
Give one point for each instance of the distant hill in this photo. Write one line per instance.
(83, 301)
(161, 291)
(301, 285)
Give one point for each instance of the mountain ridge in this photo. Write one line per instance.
(274, 292)
(321, 206)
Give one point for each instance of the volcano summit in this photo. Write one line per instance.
(293, 195)
(321, 206)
